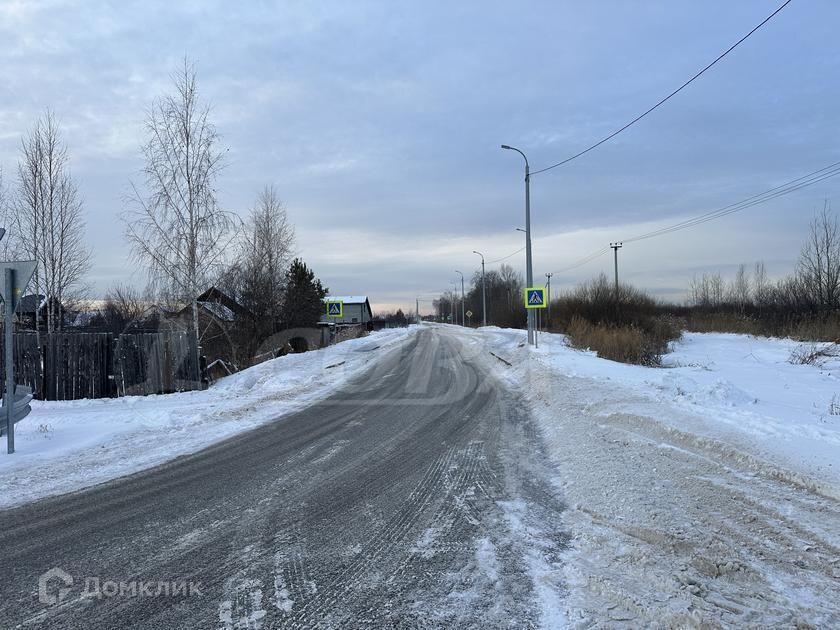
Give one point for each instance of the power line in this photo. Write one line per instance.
(490, 262)
(667, 98)
(785, 189)
(827, 172)
(583, 261)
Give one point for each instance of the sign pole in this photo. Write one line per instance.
(9, 398)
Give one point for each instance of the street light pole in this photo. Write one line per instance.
(463, 318)
(529, 275)
(454, 303)
(548, 297)
(483, 292)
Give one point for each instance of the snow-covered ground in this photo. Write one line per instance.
(701, 494)
(66, 446)
(739, 390)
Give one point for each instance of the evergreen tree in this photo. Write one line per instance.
(303, 297)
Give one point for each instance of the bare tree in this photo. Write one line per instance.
(49, 218)
(819, 261)
(175, 226)
(761, 288)
(707, 291)
(738, 293)
(9, 244)
(124, 306)
(264, 253)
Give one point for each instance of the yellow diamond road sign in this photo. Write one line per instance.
(335, 308)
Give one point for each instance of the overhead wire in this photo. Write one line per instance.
(814, 177)
(810, 179)
(667, 98)
(490, 262)
(583, 261)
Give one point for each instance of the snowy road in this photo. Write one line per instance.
(417, 496)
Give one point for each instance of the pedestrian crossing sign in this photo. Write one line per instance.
(335, 308)
(535, 297)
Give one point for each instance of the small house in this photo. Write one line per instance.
(356, 310)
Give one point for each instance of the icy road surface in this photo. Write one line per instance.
(417, 496)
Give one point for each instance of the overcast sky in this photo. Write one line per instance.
(380, 125)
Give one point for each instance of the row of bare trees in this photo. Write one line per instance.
(813, 286)
(505, 305)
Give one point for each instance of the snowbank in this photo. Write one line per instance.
(739, 391)
(66, 446)
(698, 495)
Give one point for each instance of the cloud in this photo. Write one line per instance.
(380, 123)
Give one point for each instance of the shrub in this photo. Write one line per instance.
(767, 322)
(812, 354)
(627, 327)
(627, 344)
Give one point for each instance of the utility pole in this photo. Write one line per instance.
(529, 273)
(616, 247)
(463, 317)
(9, 397)
(548, 297)
(417, 309)
(483, 292)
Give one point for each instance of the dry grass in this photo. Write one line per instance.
(812, 354)
(628, 326)
(834, 406)
(804, 327)
(627, 344)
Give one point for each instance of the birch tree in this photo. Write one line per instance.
(739, 289)
(174, 223)
(8, 220)
(49, 218)
(264, 253)
(761, 287)
(819, 261)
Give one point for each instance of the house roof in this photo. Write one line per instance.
(215, 295)
(218, 310)
(218, 304)
(27, 303)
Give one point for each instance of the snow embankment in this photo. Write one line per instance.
(699, 495)
(734, 392)
(66, 446)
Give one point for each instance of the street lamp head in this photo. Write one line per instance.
(504, 146)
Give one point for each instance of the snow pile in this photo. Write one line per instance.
(699, 495)
(739, 390)
(66, 446)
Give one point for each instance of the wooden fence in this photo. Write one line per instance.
(74, 365)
